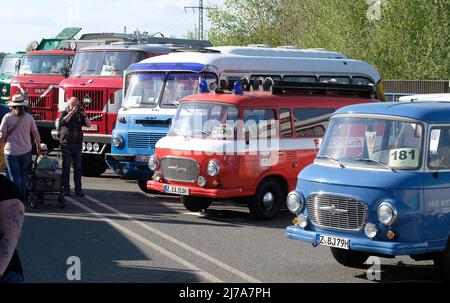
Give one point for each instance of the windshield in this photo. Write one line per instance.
(8, 66)
(143, 90)
(373, 141)
(198, 119)
(180, 85)
(104, 63)
(43, 64)
(146, 89)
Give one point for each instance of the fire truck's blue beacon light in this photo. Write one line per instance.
(203, 87)
(238, 89)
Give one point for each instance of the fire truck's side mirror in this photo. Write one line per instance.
(18, 65)
(65, 72)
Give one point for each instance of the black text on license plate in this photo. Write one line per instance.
(332, 241)
(176, 190)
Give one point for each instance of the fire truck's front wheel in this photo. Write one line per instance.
(268, 200)
(195, 204)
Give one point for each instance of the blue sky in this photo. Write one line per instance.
(25, 21)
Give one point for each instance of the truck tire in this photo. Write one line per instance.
(442, 263)
(267, 201)
(93, 165)
(195, 204)
(143, 186)
(349, 258)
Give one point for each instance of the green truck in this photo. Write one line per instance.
(7, 71)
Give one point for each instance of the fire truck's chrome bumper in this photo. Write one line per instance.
(97, 138)
(215, 193)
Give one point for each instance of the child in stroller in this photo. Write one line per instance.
(45, 178)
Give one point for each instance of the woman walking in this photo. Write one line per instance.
(15, 132)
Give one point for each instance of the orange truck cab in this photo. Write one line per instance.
(247, 146)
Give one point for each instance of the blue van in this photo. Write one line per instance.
(380, 185)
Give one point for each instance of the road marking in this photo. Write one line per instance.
(61, 216)
(147, 242)
(171, 239)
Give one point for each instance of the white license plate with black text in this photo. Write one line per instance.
(333, 241)
(141, 159)
(183, 191)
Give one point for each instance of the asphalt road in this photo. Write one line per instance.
(120, 234)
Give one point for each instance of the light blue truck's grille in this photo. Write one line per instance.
(144, 140)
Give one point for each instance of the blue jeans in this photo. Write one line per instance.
(71, 155)
(12, 277)
(18, 167)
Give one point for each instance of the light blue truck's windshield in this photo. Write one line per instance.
(146, 89)
(374, 141)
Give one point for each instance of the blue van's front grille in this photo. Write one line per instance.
(144, 140)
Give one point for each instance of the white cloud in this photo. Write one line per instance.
(26, 21)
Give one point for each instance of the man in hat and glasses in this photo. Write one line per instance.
(15, 131)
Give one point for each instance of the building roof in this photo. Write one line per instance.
(430, 112)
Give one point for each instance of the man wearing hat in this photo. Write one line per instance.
(15, 131)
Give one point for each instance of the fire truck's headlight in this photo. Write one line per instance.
(294, 203)
(96, 147)
(213, 168)
(387, 214)
(153, 163)
(118, 141)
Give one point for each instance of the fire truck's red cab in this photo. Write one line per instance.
(96, 79)
(246, 147)
(39, 74)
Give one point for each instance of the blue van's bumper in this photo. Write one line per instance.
(364, 244)
(126, 167)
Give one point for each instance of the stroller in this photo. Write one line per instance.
(43, 183)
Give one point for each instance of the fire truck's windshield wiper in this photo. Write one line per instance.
(374, 161)
(202, 131)
(332, 159)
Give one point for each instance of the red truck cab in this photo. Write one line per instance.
(39, 74)
(246, 146)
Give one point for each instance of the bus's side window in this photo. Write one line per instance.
(286, 123)
(311, 122)
(261, 123)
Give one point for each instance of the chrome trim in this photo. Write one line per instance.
(179, 158)
(312, 216)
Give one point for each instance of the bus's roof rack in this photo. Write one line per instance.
(305, 88)
(198, 50)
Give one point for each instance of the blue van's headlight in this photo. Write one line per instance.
(387, 214)
(294, 203)
(118, 141)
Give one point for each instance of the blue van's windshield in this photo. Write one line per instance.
(373, 142)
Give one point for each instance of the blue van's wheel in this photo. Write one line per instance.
(349, 258)
(442, 263)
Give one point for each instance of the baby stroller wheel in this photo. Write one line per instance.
(32, 200)
(61, 201)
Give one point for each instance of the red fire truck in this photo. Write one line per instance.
(247, 147)
(96, 79)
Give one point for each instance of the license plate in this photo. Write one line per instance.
(141, 159)
(332, 241)
(93, 128)
(176, 190)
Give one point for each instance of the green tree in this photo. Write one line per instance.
(246, 22)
